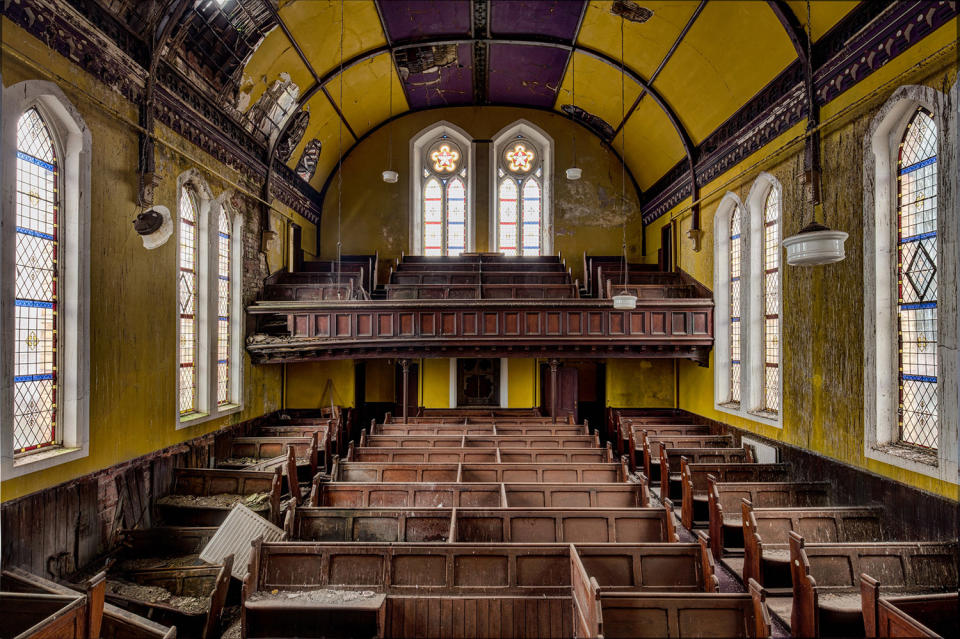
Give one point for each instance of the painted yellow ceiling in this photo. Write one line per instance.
(652, 145)
(366, 93)
(734, 49)
(644, 45)
(598, 89)
(823, 15)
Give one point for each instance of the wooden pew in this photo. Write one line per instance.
(269, 447)
(478, 455)
(495, 495)
(29, 615)
(766, 548)
(916, 616)
(473, 473)
(478, 441)
(826, 583)
(648, 447)
(53, 610)
(206, 482)
(487, 525)
(657, 429)
(468, 419)
(631, 615)
(724, 501)
(651, 291)
(480, 429)
(206, 582)
(670, 478)
(162, 544)
(696, 483)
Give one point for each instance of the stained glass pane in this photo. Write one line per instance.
(532, 206)
(223, 309)
(35, 287)
(456, 216)
(433, 218)
(917, 281)
(734, 261)
(771, 302)
(507, 215)
(188, 286)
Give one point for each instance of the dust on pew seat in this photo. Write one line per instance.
(158, 595)
(255, 501)
(323, 596)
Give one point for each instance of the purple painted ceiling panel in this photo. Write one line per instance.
(556, 18)
(412, 19)
(444, 78)
(525, 74)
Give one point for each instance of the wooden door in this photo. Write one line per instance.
(478, 382)
(413, 390)
(568, 379)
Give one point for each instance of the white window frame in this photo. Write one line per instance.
(721, 300)
(881, 145)
(73, 141)
(208, 211)
(545, 144)
(418, 144)
(754, 368)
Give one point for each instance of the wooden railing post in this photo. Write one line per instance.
(554, 366)
(405, 366)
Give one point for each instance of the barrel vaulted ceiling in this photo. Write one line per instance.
(688, 65)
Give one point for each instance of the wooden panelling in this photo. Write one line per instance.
(589, 329)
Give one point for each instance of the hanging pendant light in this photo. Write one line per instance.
(389, 175)
(574, 172)
(624, 300)
(816, 243)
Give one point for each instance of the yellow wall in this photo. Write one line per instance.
(318, 384)
(375, 215)
(822, 326)
(133, 290)
(435, 383)
(640, 382)
(522, 389)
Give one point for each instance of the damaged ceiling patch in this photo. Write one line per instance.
(594, 122)
(631, 11)
(431, 59)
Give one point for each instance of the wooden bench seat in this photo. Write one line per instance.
(645, 451)
(538, 430)
(309, 292)
(492, 495)
(29, 617)
(268, 447)
(479, 441)
(670, 464)
(917, 616)
(826, 580)
(476, 455)
(206, 482)
(651, 291)
(481, 472)
(209, 583)
(419, 278)
(696, 484)
(766, 535)
(664, 429)
(483, 525)
(724, 503)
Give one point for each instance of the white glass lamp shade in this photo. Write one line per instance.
(625, 301)
(814, 245)
(574, 173)
(390, 177)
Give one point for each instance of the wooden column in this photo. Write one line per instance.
(405, 366)
(554, 367)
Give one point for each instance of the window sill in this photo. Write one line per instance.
(765, 417)
(26, 464)
(913, 460)
(194, 419)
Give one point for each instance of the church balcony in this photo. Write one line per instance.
(291, 331)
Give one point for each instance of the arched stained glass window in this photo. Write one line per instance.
(520, 173)
(224, 337)
(917, 280)
(735, 288)
(444, 205)
(771, 302)
(36, 287)
(188, 291)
